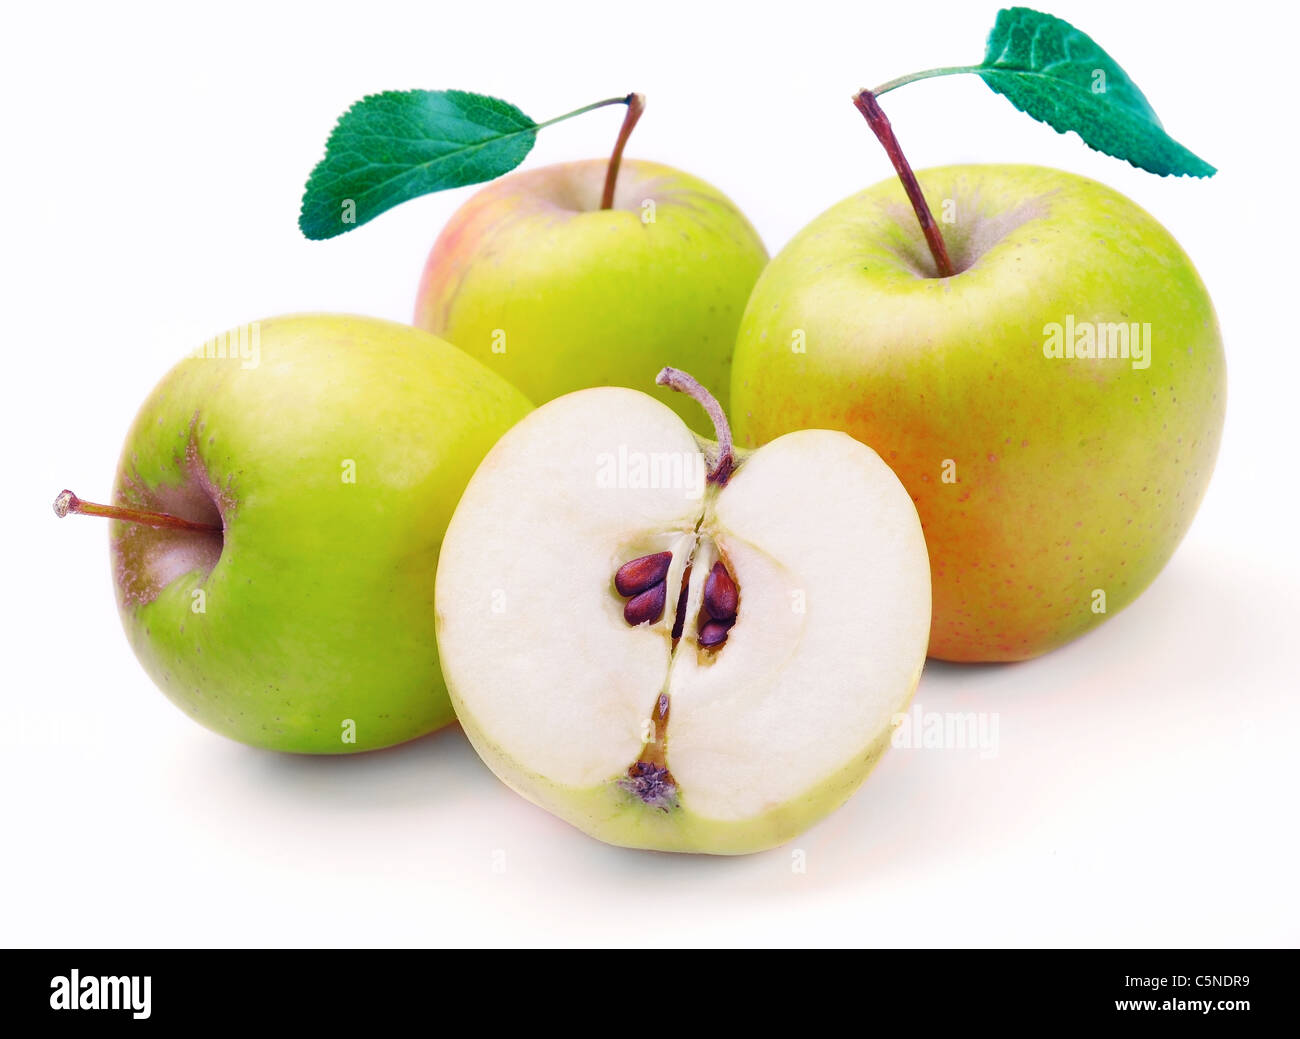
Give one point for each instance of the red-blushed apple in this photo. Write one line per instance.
(554, 293)
(1054, 408)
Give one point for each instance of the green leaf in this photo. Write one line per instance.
(1057, 74)
(395, 146)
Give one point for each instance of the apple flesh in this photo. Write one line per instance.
(607, 668)
(330, 460)
(1052, 489)
(555, 294)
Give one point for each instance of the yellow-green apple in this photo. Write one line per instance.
(279, 507)
(532, 277)
(673, 645)
(1053, 408)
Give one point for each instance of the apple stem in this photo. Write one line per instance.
(866, 103)
(635, 106)
(725, 462)
(68, 502)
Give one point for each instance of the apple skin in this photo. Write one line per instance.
(318, 607)
(590, 297)
(1072, 474)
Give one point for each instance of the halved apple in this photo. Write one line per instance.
(669, 644)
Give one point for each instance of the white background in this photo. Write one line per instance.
(1145, 787)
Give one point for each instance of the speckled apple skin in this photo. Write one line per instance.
(1073, 476)
(318, 609)
(554, 294)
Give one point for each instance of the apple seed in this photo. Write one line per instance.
(646, 607)
(679, 618)
(720, 596)
(639, 574)
(714, 633)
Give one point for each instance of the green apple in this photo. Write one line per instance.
(290, 484)
(673, 646)
(555, 294)
(1054, 408)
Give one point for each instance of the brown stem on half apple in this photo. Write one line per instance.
(635, 106)
(725, 462)
(870, 108)
(68, 502)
